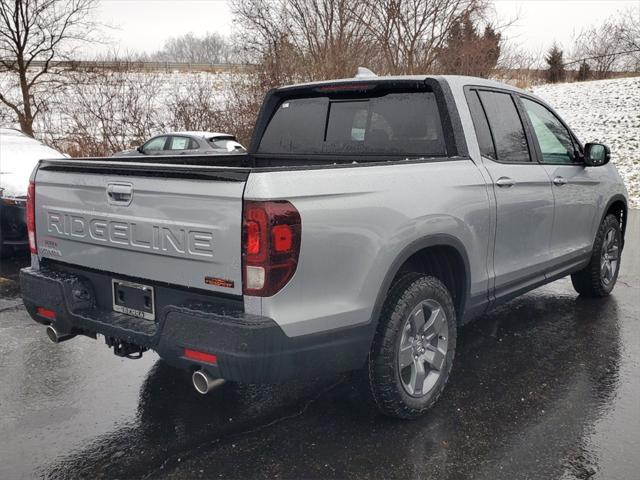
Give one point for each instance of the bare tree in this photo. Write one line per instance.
(301, 40)
(330, 38)
(630, 37)
(189, 48)
(111, 111)
(610, 46)
(195, 108)
(411, 33)
(264, 38)
(33, 33)
(519, 66)
(600, 45)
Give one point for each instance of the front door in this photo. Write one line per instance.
(575, 186)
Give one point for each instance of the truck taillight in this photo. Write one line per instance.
(31, 217)
(271, 245)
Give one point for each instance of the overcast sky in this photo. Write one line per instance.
(144, 25)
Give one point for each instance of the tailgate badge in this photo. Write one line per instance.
(219, 282)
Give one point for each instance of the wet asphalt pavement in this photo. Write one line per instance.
(547, 386)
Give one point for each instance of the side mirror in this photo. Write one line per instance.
(140, 149)
(596, 154)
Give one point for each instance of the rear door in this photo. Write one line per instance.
(171, 224)
(522, 190)
(575, 187)
(181, 145)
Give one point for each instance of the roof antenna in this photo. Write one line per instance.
(364, 73)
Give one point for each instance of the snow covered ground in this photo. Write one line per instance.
(606, 111)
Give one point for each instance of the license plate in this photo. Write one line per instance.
(133, 299)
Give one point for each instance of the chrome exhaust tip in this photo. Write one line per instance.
(57, 337)
(204, 383)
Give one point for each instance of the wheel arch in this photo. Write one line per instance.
(452, 263)
(617, 205)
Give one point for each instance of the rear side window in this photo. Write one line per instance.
(483, 134)
(226, 144)
(182, 143)
(405, 123)
(506, 127)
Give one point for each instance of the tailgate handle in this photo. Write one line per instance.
(120, 193)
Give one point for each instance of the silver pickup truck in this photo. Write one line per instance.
(370, 219)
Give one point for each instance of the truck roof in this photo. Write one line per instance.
(457, 80)
(201, 134)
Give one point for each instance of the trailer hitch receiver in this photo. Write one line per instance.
(125, 349)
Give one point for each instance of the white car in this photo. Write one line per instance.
(19, 154)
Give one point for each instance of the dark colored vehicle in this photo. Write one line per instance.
(19, 154)
(187, 143)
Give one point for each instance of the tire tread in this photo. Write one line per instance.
(587, 281)
(382, 379)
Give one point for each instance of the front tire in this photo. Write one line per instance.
(414, 346)
(599, 277)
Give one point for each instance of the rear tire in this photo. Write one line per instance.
(599, 277)
(414, 346)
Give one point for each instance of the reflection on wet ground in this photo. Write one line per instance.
(544, 387)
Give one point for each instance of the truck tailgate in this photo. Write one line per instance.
(182, 228)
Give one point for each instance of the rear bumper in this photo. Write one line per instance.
(249, 348)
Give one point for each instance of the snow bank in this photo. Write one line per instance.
(606, 111)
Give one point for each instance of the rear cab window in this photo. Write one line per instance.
(392, 123)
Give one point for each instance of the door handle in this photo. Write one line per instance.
(505, 182)
(559, 181)
(119, 193)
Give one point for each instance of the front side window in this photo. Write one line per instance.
(506, 127)
(405, 123)
(155, 144)
(554, 139)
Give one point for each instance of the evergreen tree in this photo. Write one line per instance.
(584, 72)
(467, 52)
(554, 58)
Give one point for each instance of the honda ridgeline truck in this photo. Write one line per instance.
(370, 219)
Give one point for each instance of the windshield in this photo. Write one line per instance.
(405, 123)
